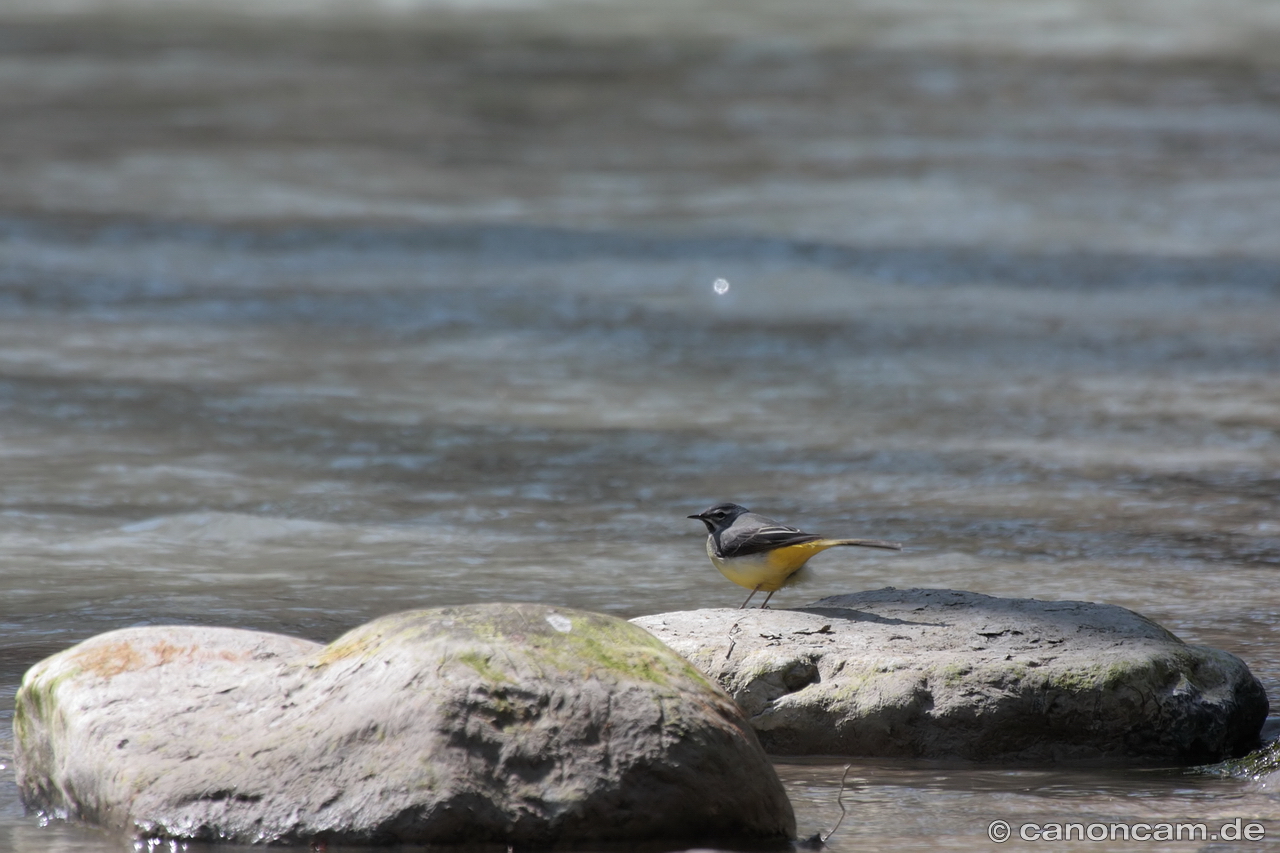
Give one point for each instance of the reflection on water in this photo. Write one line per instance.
(930, 806)
(303, 325)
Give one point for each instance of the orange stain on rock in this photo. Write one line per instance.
(107, 660)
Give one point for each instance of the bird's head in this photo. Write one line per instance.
(719, 516)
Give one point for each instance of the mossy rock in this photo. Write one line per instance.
(948, 674)
(512, 723)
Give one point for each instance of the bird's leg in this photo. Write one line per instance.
(751, 596)
(766, 599)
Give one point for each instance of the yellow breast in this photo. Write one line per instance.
(770, 570)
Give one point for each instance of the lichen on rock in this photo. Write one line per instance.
(516, 724)
(949, 674)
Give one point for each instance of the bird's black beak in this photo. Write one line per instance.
(702, 516)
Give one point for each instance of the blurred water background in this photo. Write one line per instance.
(315, 311)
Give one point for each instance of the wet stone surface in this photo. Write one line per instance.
(929, 673)
(511, 724)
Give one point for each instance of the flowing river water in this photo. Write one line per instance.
(309, 314)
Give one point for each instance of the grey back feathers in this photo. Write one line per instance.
(736, 531)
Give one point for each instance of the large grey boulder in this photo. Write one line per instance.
(517, 724)
(943, 674)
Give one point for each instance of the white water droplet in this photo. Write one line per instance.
(721, 286)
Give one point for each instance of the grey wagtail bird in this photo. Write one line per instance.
(759, 553)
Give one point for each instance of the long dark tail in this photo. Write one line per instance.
(864, 543)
